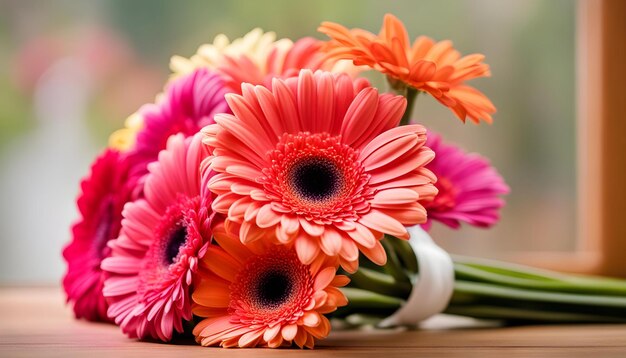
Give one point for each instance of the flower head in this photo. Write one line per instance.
(104, 193)
(258, 57)
(188, 104)
(321, 164)
(429, 66)
(154, 259)
(262, 295)
(256, 45)
(469, 188)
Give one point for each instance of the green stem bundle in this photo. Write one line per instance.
(482, 289)
(487, 290)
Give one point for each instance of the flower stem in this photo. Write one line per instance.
(488, 290)
(400, 88)
(379, 282)
(411, 96)
(394, 265)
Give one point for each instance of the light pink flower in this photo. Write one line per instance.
(282, 62)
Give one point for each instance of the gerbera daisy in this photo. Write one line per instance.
(262, 295)
(320, 164)
(469, 188)
(256, 45)
(150, 271)
(104, 193)
(428, 66)
(258, 57)
(188, 104)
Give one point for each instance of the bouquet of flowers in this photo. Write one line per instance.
(270, 189)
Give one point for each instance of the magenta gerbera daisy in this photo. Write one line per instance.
(469, 187)
(103, 195)
(188, 104)
(150, 272)
(316, 163)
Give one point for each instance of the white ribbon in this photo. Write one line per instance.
(433, 285)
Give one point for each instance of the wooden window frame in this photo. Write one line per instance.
(601, 107)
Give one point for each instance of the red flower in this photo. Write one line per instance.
(104, 193)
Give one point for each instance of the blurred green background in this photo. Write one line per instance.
(71, 71)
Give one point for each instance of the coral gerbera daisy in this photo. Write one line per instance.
(320, 164)
(262, 295)
(150, 272)
(469, 188)
(258, 57)
(428, 66)
(104, 193)
(188, 104)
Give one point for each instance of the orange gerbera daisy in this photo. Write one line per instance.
(428, 66)
(261, 295)
(321, 164)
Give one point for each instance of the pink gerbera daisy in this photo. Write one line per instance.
(258, 57)
(150, 271)
(469, 188)
(320, 164)
(188, 104)
(282, 62)
(260, 294)
(104, 193)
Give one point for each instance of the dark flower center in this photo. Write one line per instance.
(273, 288)
(104, 229)
(315, 179)
(177, 239)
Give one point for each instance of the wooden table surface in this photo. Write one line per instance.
(35, 322)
